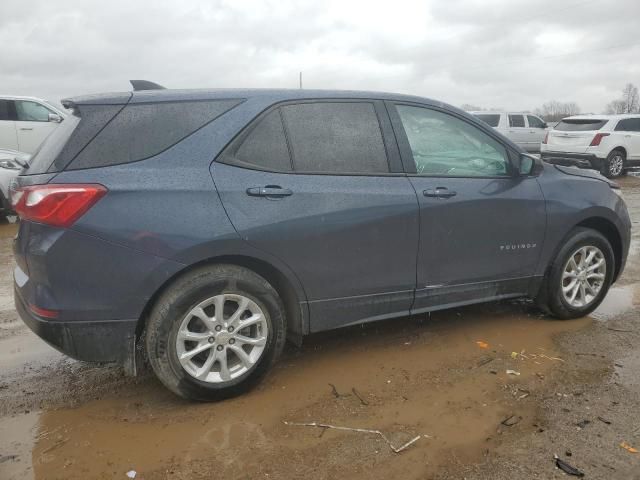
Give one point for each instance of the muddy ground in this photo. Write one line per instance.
(441, 378)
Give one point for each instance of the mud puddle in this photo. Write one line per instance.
(619, 300)
(417, 376)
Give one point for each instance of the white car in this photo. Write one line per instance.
(524, 129)
(26, 121)
(607, 143)
(11, 163)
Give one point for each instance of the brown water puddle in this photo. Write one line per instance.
(412, 377)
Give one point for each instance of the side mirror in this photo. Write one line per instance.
(53, 117)
(545, 125)
(526, 165)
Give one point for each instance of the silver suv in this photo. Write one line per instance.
(524, 129)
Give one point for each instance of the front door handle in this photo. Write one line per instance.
(26, 129)
(269, 191)
(439, 192)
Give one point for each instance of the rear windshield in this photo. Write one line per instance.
(581, 125)
(493, 120)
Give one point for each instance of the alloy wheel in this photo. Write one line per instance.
(583, 276)
(222, 338)
(616, 165)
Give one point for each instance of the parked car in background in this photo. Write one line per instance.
(524, 129)
(26, 121)
(607, 143)
(284, 213)
(11, 162)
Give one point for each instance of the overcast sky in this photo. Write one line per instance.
(513, 54)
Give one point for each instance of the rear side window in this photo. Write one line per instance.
(580, 125)
(629, 125)
(141, 131)
(516, 120)
(265, 146)
(493, 120)
(335, 137)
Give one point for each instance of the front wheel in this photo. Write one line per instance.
(580, 275)
(215, 332)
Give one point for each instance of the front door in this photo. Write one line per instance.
(32, 125)
(481, 224)
(518, 131)
(314, 185)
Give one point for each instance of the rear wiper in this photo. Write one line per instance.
(22, 163)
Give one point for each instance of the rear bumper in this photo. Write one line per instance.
(581, 160)
(98, 341)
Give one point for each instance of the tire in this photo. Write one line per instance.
(552, 298)
(172, 324)
(615, 164)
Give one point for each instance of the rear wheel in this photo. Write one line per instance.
(614, 164)
(215, 332)
(580, 275)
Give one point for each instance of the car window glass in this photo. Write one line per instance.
(516, 120)
(335, 137)
(4, 110)
(443, 145)
(266, 145)
(491, 119)
(580, 125)
(31, 112)
(535, 122)
(629, 125)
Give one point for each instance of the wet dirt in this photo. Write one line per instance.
(424, 375)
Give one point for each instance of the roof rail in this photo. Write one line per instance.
(145, 85)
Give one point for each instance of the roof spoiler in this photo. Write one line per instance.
(145, 85)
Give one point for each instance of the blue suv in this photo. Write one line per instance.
(200, 229)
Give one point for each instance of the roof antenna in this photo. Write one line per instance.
(145, 85)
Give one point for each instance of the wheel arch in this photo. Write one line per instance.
(620, 148)
(295, 307)
(608, 229)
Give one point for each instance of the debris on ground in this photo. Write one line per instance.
(628, 447)
(326, 426)
(510, 421)
(7, 458)
(604, 420)
(484, 361)
(362, 400)
(566, 468)
(334, 390)
(513, 372)
(583, 423)
(482, 344)
(131, 474)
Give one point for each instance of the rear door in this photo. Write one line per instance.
(517, 130)
(482, 225)
(33, 124)
(319, 185)
(8, 135)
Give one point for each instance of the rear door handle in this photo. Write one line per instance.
(272, 191)
(439, 192)
(25, 128)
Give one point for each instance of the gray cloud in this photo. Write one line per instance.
(493, 53)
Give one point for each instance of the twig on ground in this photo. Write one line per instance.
(334, 390)
(362, 400)
(326, 426)
(619, 330)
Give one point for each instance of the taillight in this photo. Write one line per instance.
(597, 139)
(546, 137)
(59, 205)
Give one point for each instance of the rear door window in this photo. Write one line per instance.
(335, 138)
(7, 111)
(580, 125)
(629, 125)
(516, 121)
(493, 120)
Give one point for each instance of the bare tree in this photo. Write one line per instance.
(555, 111)
(630, 98)
(615, 107)
(468, 107)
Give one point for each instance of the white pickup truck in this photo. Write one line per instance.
(524, 129)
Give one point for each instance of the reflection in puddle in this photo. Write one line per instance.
(619, 300)
(17, 439)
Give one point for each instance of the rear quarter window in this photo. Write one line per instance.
(141, 131)
(580, 125)
(628, 125)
